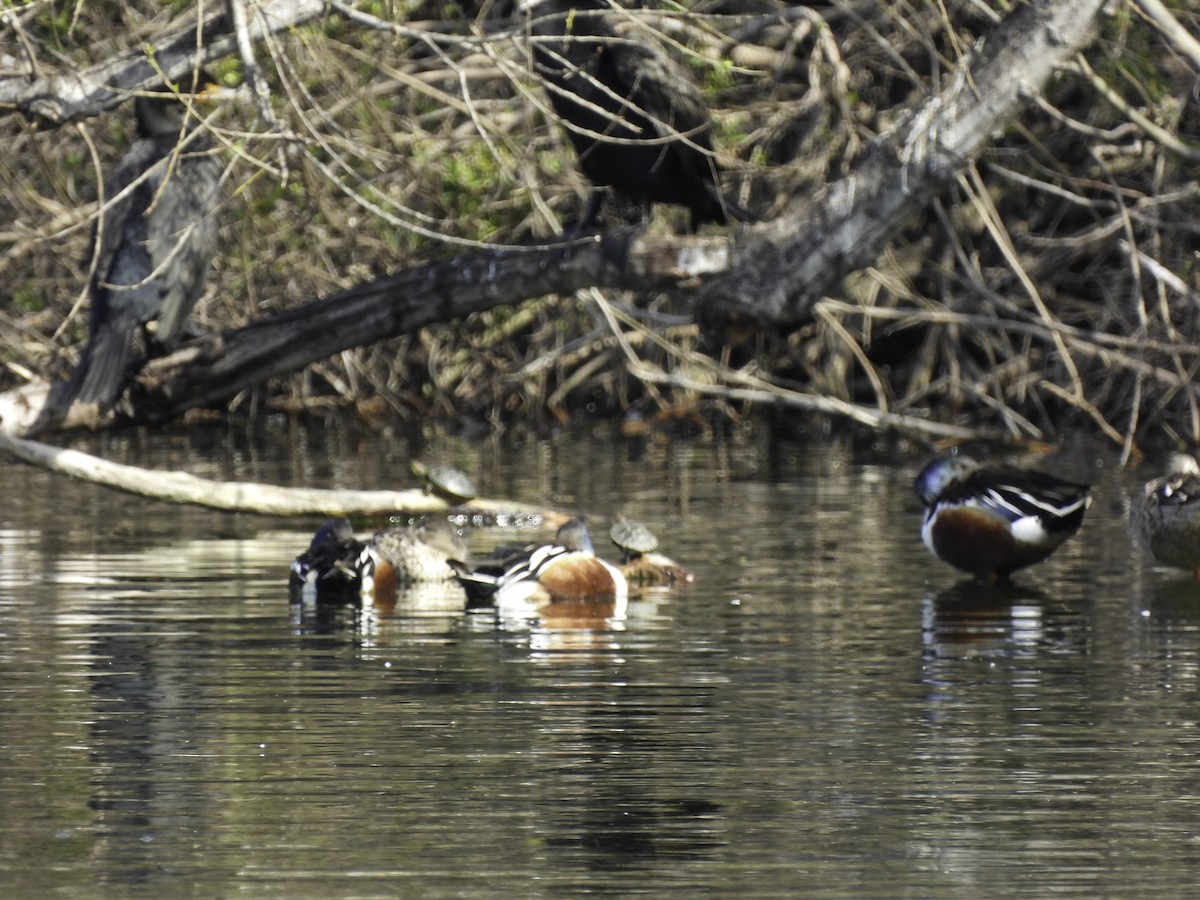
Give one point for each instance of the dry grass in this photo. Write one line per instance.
(1055, 287)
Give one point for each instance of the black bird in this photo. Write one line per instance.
(155, 243)
(636, 119)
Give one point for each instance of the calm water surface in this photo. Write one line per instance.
(827, 710)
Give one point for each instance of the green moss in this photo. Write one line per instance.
(718, 76)
(469, 180)
(28, 299)
(54, 25)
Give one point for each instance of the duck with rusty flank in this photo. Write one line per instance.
(565, 568)
(1165, 516)
(991, 520)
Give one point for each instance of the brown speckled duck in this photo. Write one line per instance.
(1165, 516)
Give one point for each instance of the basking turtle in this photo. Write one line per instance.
(641, 566)
(447, 482)
(633, 538)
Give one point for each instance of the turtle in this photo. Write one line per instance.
(633, 538)
(451, 484)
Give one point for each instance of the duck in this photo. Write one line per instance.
(566, 568)
(332, 566)
(991, 520)
(641, 564)
(337, 566)
(655, 570)
(1165, 515)
(417, 553)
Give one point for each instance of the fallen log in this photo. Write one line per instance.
(243, 496)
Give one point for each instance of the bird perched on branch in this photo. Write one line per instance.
(638, 122)
(153, 241)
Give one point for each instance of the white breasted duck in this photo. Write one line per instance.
(566, 568)
(991, 520)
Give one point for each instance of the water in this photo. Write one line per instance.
(826, 710)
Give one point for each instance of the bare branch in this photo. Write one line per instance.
(782, 268)
(1179, 36)
(66, 97)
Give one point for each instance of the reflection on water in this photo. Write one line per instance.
(825, 710)
(973, 619)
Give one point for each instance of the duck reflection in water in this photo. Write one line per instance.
(1003, 620)
(993, 520)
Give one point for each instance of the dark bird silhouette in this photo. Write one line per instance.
(153, 245)
(636, 119)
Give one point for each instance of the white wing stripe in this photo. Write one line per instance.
(1021, 503)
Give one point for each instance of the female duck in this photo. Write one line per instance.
(566, 568)
(992, 520)
(411, 554)
(336, 564)
(1165, 516)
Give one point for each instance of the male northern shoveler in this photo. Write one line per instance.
(992, 520)
(566, 568)
(332, 565)
(337, 566)
(640, 564)
(1165, 516)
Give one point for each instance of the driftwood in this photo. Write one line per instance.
(241, 496)
(771, 274)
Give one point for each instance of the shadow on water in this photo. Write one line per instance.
(1174, 599)
(604, 805)
(974, 618)
(144, 740)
